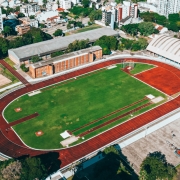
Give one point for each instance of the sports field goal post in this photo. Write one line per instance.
(128, 63)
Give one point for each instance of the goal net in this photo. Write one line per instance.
(128, 64)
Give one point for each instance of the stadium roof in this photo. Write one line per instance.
(166, 46)
(60, 43)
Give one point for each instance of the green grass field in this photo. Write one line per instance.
(141, 67)
(69, 105)
(88, 28)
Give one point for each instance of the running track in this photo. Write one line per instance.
(11, 145)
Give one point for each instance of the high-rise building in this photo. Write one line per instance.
(166, 7)
(126, 9)
(1, 21)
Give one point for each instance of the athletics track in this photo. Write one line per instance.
(11, 145)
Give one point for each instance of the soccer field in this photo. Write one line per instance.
(79, 102)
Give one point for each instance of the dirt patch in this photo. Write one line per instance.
(39, 133)
(4, 80)
(18, 109)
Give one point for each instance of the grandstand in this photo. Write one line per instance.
(165, 47)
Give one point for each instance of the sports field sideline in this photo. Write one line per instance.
(72, 104)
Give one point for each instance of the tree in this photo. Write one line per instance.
(7, 30)
(12, 171)
(95, 15)
(44, 2)
(155, 166)
(17, 8)
(31, 16)
(3, 46)
(146, 28)
(21, 15)
(58, 32)
(107, 43)
(173, 27)
(111, 149)
(35, 59)
(33, 168)
(58, 53)
(24, 68)
(85, 3)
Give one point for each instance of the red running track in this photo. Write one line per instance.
(11, 145)
(24, 119)
(160, 79)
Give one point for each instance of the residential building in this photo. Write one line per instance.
(43, 16)
(65, 62)
(126, 9)
(120, 12)
(106, 17)
(166, 7)
(144, 7)
(1, 20)
(65, 4)
(23, 28)
(30, 9)
(28, 21)
(75, 2)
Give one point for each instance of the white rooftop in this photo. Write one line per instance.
(166, 46)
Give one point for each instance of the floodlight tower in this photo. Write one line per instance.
(1, 21)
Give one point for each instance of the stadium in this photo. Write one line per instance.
(40, 118)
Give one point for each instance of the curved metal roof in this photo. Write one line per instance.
(166, 46)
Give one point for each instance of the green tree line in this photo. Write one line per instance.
(32, 36)
(172, 22)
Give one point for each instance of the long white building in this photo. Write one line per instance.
(166, 7)
(165, 47)
(1, 21)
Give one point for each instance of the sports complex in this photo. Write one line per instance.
(83, 110)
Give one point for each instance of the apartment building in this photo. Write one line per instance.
(166, 7)
(29, 9)
(65, 4)
(119, 12)
(22, 29)
(28, 21)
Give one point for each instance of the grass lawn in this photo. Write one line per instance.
(87, 28)
(7, 74)
(67, 106)
(141, 67)
(11, 63)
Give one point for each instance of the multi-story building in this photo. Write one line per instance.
(1, 21)
(166, 7)
(28, 21)
(22, 29)
(106, 17)
(29, 9)
(65, 4)
(65, 62)
(126, 9)
(119, 12)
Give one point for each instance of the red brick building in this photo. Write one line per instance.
(65, 62)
